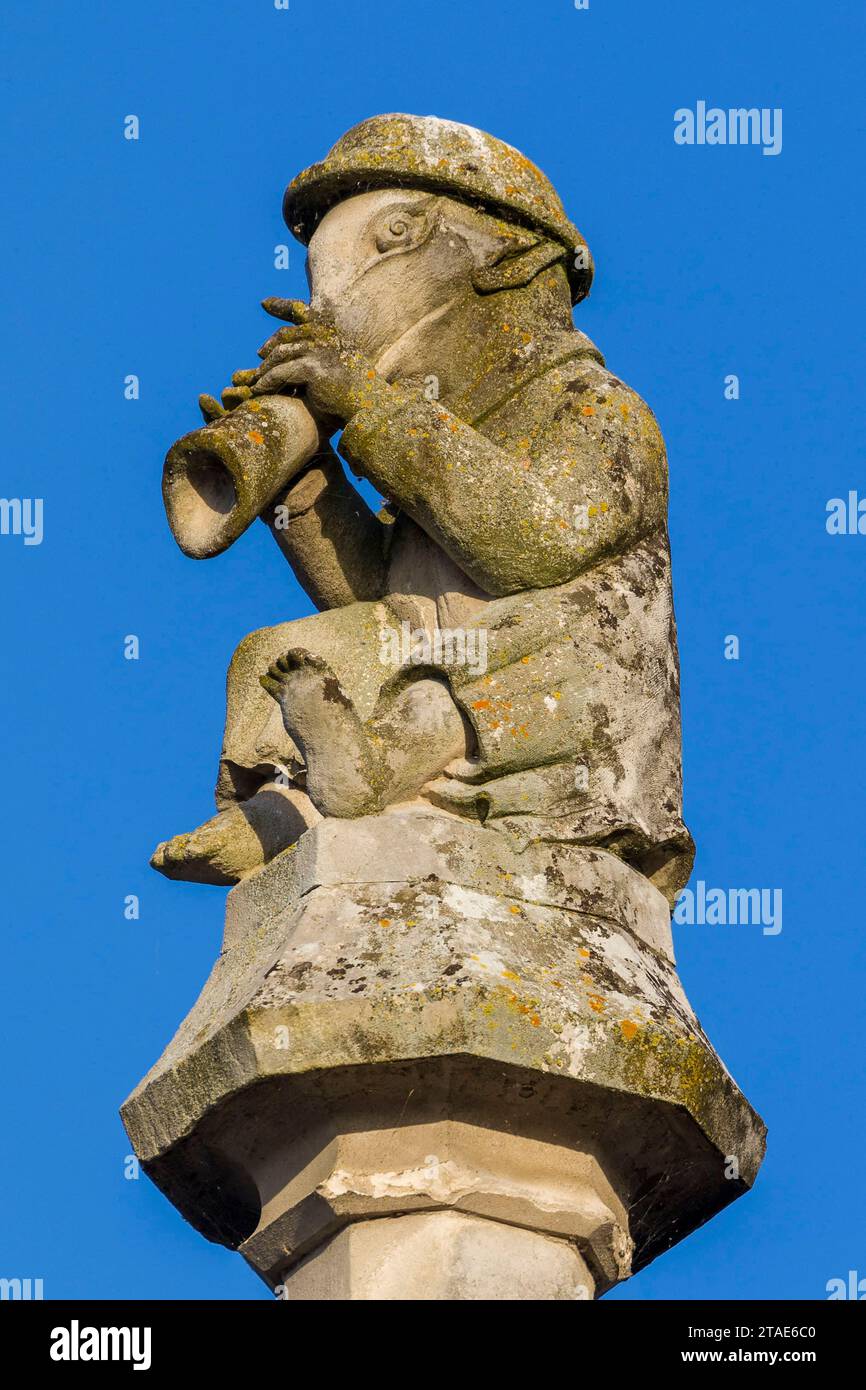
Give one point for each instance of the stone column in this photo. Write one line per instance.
(429, 1066)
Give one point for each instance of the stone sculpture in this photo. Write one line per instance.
(451, 800)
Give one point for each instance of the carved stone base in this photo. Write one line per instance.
(428, 1066)
(441, 1255)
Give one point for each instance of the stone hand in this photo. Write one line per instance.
(332, 374)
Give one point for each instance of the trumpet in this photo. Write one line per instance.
(216, 480)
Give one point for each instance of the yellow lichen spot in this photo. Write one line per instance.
(582, 951)
(254, 405)
(604, 507)
(509, 975)
(256, 436)
(512, 908)
(628, 1029)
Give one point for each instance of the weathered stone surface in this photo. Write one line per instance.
(444, 1051)
(520, 1049)
(440, 1256)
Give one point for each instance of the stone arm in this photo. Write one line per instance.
(330, 537)
(580, 474)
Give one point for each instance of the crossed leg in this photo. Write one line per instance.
(315, 725)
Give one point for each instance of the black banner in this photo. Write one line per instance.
(194, 1337)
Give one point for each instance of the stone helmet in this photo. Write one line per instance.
(442, 156)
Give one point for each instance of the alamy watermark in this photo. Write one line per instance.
(740, 125)
(846, 516)
(22, 516)
(853, 1287)
(446, 646)
(21, 1289)
(730, 907)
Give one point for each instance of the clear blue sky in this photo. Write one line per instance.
(151, 258)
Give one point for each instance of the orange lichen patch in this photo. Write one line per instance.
(512, 908)
(628, 1029)
(256, 436)
(582, 951)
(597, 1003)
(624, 409)
(480, 704)
(587, 410)
(535, 1020)
(371, 375)
(384, 921)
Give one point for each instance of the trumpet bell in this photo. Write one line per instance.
(218, 479)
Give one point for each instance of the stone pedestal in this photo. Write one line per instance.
(429, 1066)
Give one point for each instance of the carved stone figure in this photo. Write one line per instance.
(526, 491)
(476, 741)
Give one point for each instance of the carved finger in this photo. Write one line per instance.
(245, 377)
(233, 395)
(283, 352)
(290, 310)
(287, 374)
(287, 335)
(210, 408)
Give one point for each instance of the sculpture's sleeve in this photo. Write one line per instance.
(571, 470)
(333, 541)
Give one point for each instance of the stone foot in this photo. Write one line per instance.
(357, 767)
(239, 840)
